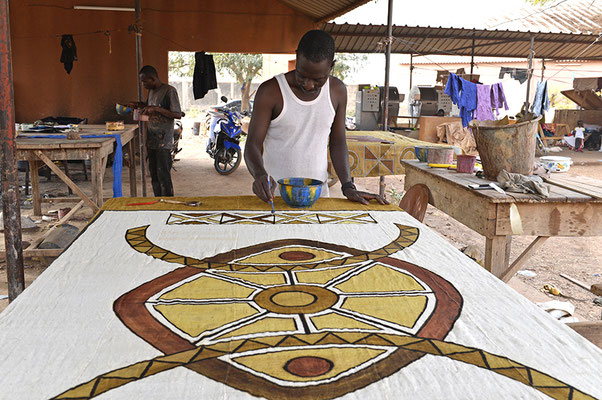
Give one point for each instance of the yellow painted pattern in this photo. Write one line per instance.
(276, 278)
(272, 257)
(264, 325)
(336, 321)
(194, 319)
(465, 354)
(342, 358)
(401, 310)
(379, 279)
(321, 276)
(207, 287)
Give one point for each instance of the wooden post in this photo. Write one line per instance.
(9, 175)
(141, 135)
(543, 68)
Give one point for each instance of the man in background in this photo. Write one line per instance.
(163, 107)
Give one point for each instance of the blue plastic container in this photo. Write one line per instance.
(300, 192)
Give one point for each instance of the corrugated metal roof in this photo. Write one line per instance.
(568, 16)
(458, 41)
(324, 10)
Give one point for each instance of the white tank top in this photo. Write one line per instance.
(296, 144)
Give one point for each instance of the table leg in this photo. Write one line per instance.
(96, 173)
(497, 254)
(132, 157)
(522, 259)
(35, 188)
(381, 186)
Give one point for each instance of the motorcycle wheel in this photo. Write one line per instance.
(226, 161)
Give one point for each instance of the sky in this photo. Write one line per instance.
(445, 13)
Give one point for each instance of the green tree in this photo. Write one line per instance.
(347, 63)
(181, 64)
(244, 67)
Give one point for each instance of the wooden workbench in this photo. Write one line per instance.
(574, 208)
(41, 150)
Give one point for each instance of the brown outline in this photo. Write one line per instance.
(131, 310)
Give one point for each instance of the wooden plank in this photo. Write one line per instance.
(66, 179)
(497, 254)
(553, 219)
(35, 187)
(63, 220)
(523, 257)
(132, 157)
(579, 184)
(591, 330)
(455, 200)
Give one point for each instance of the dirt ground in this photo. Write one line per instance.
(580, 258)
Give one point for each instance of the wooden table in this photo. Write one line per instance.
(574, 209)
(37, 151)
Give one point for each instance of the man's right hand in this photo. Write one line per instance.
(263, 189)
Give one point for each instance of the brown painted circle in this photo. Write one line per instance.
(293, 299)
(308, 366)
(296, 255)
(323, 299)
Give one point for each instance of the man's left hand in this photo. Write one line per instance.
(363, 197)
(150, 109)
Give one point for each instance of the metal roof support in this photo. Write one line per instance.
(529, 73)
(388, 64)
(387, 70)
(8, 164)
(472, 57)
(141, 130)
(543, 68)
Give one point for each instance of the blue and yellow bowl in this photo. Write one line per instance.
(300, 192)
(122, 110)
(421, 153)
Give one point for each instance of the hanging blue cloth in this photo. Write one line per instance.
(541, 103)
(468, 101)
(117, 160)
(464, 94)
(453, 87)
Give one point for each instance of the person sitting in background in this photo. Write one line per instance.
(579, 132)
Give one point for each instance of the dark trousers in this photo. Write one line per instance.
(578, 143)
(159, 165)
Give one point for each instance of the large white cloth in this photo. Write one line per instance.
(64, 329)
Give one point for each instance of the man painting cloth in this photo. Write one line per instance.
(297, 116)
(162, 106)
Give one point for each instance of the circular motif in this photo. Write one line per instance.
(293, 299)
(354, 160)
(296, 299)
(296, 255)
(308, 367)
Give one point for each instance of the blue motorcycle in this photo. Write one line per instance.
(224, 138)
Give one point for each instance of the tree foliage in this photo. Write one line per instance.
(181, 64)
(244, 67)
(347, 63)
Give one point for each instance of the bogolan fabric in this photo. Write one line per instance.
(386, 309)
(378, 153)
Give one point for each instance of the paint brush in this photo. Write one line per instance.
(270, 189)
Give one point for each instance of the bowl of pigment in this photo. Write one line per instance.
(122, 110)
(300, 192)
(421, 153)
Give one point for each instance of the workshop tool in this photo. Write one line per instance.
(596, 288)
(184, 203)
(271, 200)
(489, 185)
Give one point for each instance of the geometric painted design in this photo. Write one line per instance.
(318, 330)
(263, 218)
